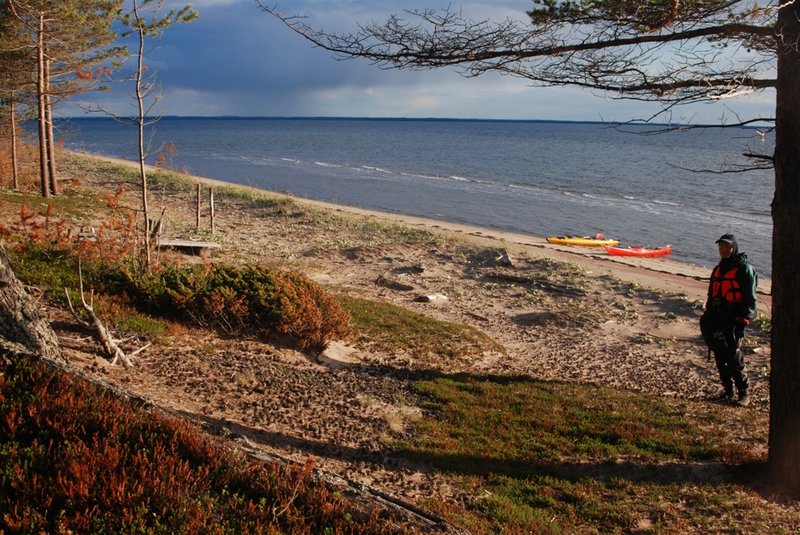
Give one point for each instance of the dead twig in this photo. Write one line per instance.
(102, 333)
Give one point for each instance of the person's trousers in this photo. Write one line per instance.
(730, 362)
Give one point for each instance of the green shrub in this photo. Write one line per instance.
(247, 299)
(237, 300)
(142, 324)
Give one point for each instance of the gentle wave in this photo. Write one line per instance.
(541, 179)
(376, 169)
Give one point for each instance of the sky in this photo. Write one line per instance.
(237, 60)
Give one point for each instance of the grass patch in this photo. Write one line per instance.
(73, 206)
(51, 270)
(393, 232)
(557, 267)
(557, 505)
(98, 170)
(164, 181)
(368, 234)
(517, 420)
(391, 328)
(89, 169)
(253, 198)
(134, 322)
(550, 457)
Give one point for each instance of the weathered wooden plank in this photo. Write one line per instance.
(190, 246)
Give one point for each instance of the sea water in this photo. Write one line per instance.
(540, 178)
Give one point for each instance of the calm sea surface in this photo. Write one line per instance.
(540, 178)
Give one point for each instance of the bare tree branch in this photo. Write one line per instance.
(682, 55)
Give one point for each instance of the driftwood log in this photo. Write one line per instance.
(19, 318)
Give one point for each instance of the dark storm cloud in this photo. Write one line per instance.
(240, 48)
(237, 60)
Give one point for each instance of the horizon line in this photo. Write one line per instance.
(373, 118)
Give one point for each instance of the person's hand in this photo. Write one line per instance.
(738, 327)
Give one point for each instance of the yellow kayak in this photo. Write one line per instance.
(584, 241)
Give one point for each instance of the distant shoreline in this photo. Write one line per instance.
(336, 118)
(662, 273)
(408, 119)
(513, 176)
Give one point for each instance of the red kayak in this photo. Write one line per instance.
(638, 251)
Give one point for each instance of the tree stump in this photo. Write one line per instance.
(19, 320)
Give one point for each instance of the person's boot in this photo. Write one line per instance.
(744, 399)
(726, 396)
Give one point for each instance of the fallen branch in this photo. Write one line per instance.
(110, 345)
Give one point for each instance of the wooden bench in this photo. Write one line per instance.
(195, 247)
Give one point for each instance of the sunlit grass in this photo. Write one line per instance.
(74, 206)
(553, 457)
(500, 420)
(390, 328)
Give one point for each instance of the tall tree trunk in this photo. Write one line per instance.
(19, 320)
(13, 120)
(40, 90)
(784, 430)
(48, 123)
(141, 118)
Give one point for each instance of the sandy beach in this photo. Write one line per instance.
(662, 273)
(559, 313)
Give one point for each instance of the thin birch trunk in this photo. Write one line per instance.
(48, 124)
(40, 89)
(14, 166)
(140, 104)
(211, 206)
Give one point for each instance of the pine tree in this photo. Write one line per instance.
(15, 84)
(63, 40)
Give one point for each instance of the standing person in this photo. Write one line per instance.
(730, 307)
